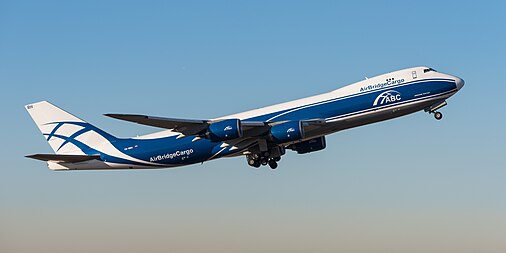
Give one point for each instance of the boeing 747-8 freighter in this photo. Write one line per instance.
(261, 135)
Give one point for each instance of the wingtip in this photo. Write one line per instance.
(124, 116)
(113, 115)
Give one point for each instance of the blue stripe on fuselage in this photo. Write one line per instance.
(202, 150)
(358, 102)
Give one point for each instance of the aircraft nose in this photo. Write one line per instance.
(459, 82)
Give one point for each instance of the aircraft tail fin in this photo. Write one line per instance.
(66, 133)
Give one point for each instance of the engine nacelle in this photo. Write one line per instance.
(309, 146)
(287, 132)
(227, 129)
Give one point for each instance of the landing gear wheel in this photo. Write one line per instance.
(252, 161)
(438, 115)
(273, 164)
(257, 160)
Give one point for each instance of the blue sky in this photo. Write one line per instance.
(410, 184)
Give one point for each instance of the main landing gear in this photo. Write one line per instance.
(255, 160)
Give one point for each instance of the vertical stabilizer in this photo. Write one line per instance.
(65, 133)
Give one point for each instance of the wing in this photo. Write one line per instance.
(185, 126)
(253, 132)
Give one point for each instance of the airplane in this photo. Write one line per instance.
(261, 135)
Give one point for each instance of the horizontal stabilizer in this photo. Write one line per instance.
(63, 158)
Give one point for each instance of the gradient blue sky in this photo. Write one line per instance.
(407, 185)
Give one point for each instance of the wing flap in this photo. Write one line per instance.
(63, 158)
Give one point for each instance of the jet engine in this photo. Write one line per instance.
(224, 130)
(287, 132)
(309, 146)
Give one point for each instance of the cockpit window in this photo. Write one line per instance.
(429, 70)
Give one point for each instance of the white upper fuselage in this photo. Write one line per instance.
(367, 85)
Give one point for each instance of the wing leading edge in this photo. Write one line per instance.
(184, 126)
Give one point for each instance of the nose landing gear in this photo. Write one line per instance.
(434, 108)
(438, 115)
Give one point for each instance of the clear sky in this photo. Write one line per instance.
(407, 185)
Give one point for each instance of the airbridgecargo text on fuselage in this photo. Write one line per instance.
(381, 85)
(171, 155)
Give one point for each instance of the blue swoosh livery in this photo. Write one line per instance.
(262, 135)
